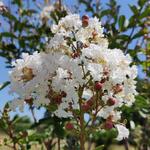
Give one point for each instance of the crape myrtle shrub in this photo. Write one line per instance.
(27, 28)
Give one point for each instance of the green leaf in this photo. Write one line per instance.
(132, 22)
(7, 34)
(121, 22)
(101, 147)
(123, 37)
(139, 34)
(2, 86)
(134, 9)
(10, 16)
(18, 2)
(142, 2)
(146, 13)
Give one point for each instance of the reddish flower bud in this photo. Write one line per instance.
(58, 99)
(85, 21)
(111, 101)
(90, 102)
(69, 126)
(108, 125)
(85, 107)
(85, 17)
(98, 86)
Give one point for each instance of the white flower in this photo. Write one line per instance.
(123, 132)
(56, 42)
(96, 71)
(46, 75)
(45, 14)
(68, 23)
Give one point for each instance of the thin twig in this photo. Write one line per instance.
(126, 144)
(33, 115)
(58, 143)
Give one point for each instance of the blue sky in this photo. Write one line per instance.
(4, 96)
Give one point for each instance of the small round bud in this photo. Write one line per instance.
(90, 102)
(69, 126)
(111, 101)
(85, 21)
(98, 86)
(85, 17)
(108, 125)
(85, 107)
(58, 99)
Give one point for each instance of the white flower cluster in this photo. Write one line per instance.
(77, 57)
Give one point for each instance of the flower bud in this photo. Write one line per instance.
(85, 107)
(85, 21)
(90, 102)
(58, 99)
(111, 101)
(69, 126)
(98, 86)
(108, 125)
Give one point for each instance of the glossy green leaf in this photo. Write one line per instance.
(121, 22)
(145, 13)
(134, 9)
(139, 34)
